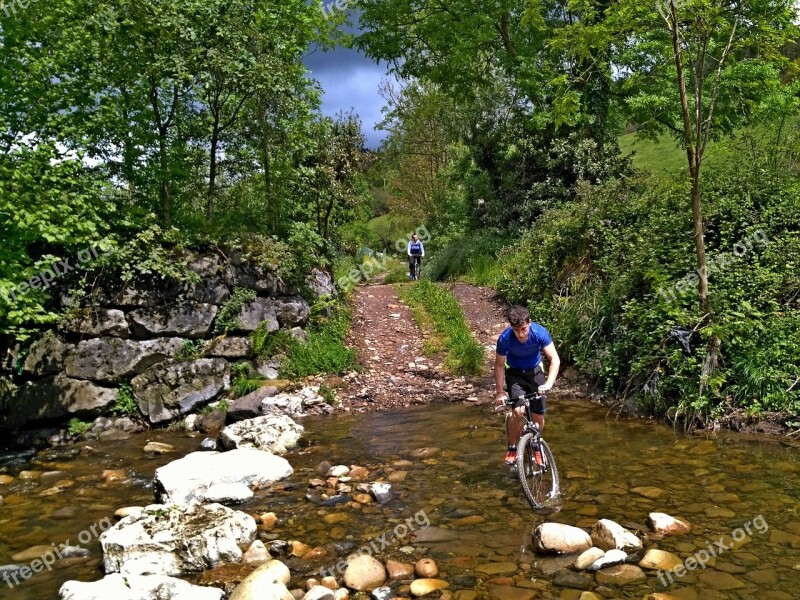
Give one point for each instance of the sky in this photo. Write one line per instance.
(350, 80)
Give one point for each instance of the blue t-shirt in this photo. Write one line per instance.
(523, 356)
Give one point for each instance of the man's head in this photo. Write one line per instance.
(520, 320)
(415, 237)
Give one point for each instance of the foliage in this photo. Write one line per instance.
(125, 404)
(602, 274)
(245, 380)
(470, 257)
(266, 343)
(464, 354)
(228, 316)
(325, 351)
(328, 394)
(77, 428)
(190, 350)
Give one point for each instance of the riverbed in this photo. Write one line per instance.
(445, 464)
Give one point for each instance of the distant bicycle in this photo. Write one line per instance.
(417, 266)
(536, 466)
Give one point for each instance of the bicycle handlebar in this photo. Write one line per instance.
(508, 403)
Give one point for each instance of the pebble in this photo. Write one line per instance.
(111, 475)
(6, 479)
(427, 568)
(399, 570)
(423, 587)
(159, 448)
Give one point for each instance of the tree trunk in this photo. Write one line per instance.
(212, 169)
(166, 213)
(699, 240)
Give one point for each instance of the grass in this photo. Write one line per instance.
(390, 228)
(434, 306)
(325, 352)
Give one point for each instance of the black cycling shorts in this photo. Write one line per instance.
(521, 382)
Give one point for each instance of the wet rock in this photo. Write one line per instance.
(208, 445)
(423, 453)
(362, 498)
(560, 539)
(667, 525)
(782, 538)
(256, 554)
(571, 579)
(269, 520)
(621, 575)
(189, 477)
(257, 587)
(57, 398)
(338, 471)
(186, 320)
(423, 587)
(167, 391)
(176, 539)
(588, 558)
(158, 448)
(114, 360)
(129, 511)
(364, 573)
(382, 492)
(250, 405)
(6, 479)
(329, 582)
(649, 492)
(399, 570)
(426, 567)
(319, 592)
(31, 553)
(112, 475)
(357, 472)
(607, 535)
(609, 559)
(720, 581)
(660, 560)
(274, 434)
(97, 322)
(435, 534)
(135, 587)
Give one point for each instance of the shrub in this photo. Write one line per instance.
(228, 316)
(77, 428)
(325, 352)
(125, 405)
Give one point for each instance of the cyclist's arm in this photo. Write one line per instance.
(554, 364)
(499, 375)
(408, 249)
(421, 249)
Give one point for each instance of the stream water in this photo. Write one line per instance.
(458, 492)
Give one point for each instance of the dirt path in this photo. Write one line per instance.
(394, 370)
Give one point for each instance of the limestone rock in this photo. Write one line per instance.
(607, 535)
(229, 347)
(185, 320)
(96, 322)
(191, 476)
(560, 539)
(621, 575)
(115, 360)
(382, 492)
(588, 558)
(364, 573)
(136, 587)
(167, 391)
(426, 567)
(423, 587)
(321, 283)
(58, 397)
(47, 355)
(253, 313)
(660, 560)
(609, 559)
(667, 525)
(291, 311)
(251, 405)
(176, 539)
(275, 434)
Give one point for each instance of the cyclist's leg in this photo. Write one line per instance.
(538, 407)
(515, 388)
(411, 267)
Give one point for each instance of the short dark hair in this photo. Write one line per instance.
(518, 315)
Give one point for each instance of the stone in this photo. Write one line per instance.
(208, 445)
(338, 471)
(609, 559)
(607, 534)
(357, 472)
(189, 477)
(135, 587)
(426, 567)
(170, 390)
(256, 554)
(720, 581)
(660, 560)
(291, 311)
(176, 539)
(97, 322)
(268, 520)
(158, 448)
(667, 525)
(31, 553)
(321, 283)
(209, 291)
(267, 582)
(382, 492)
(649, 492)
(212, 421)
(229, 347)
(250, 405)
(435, 534)
(571, 579)
(319, 592)
(497, 568)
(59, 397)
(329, 582)
(129, 511)
(185, 320)
(560, 539)
(587, 558)
(423, 587)
(399, 570)
(112, 475)
(621, 575)
(274, 434)
(364, 573)
(46, 355)
(115, 360)
(227, 493)
(253, 313)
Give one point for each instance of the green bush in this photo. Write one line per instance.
(325, 351)
(245, 380)
(228, 316)
(269, 343)
(464, 354)
(77, 428)
(125, 404)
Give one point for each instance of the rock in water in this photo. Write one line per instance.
(667, 525)
(273, 433)
(364, 573)
(135, 587)
(608, 535)
(560, 539)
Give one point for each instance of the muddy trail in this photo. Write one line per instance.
(395, 371)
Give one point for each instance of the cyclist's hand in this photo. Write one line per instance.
(545, 388)
(500, 398)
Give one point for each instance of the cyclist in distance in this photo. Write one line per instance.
(415, 253)
(518, 371)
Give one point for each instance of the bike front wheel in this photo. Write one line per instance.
(539, 482)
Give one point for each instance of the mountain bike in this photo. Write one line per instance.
(417, 265)
(536, 466)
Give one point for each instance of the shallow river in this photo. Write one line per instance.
(614, 469)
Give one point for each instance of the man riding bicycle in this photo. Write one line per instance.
(415, 253)
(518, 371)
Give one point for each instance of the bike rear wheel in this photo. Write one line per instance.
(540, 483)
(417, 268)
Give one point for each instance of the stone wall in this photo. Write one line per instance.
(133, 334)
